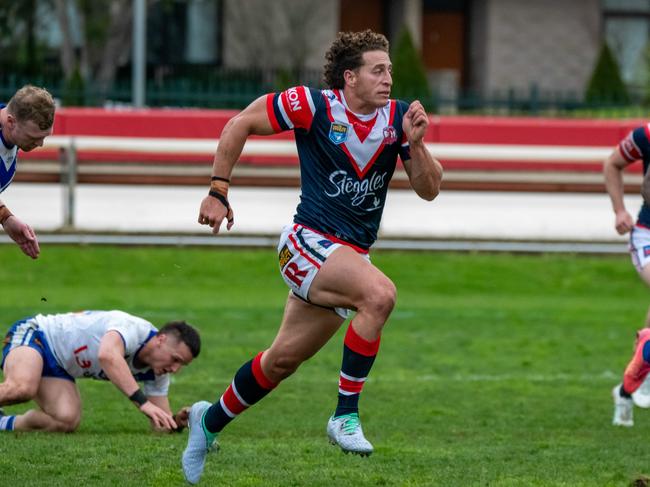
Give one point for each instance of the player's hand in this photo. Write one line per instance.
(624, 222)
(415, 122)
(212, 213)
(161, 420)
(182, 418)
(23, 235)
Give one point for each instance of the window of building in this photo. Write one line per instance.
(184, 32)
(627, 32)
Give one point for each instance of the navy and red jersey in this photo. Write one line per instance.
(346, 160)
(8, 156)
(635, 146)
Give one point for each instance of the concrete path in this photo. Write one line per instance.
(263, 211)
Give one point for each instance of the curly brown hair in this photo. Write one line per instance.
(33, 103)
(346, 52)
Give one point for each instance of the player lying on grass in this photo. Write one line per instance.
(43, 355)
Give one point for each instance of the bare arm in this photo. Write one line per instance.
(111, 358)
(253, 120)
(613, 170)
(162, 402)
(424, 172)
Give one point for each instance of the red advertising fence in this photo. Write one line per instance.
(176, 146)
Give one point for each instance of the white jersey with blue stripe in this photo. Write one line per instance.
(346, 159)
(8, 160)
(74, 340)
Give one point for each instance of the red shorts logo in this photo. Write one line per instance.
(294, 274)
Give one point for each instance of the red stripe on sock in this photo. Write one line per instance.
(350, 385)
(232, 403)
(261, 379)
(360, 345)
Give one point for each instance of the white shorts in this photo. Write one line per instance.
(640, 246)
(301, 252)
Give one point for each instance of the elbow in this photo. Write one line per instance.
(239, 124)
(105, 359)
(431, 191)
(429, 195)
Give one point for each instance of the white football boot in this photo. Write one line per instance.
(199, 443)
(623, 409)
(345, 431)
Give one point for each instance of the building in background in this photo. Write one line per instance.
(481, 48)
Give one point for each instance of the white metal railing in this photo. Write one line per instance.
(484, 152)
(69, 146)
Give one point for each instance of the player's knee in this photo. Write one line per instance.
(380, 299)
(67, 422)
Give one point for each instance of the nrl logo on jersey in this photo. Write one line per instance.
(339, 132)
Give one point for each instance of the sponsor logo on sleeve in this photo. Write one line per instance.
(339, 132)
(294, 99)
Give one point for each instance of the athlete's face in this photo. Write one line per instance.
(371, 83)
(26, 135)
(168, 355)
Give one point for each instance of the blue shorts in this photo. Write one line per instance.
(25, 333)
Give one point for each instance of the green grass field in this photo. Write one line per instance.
(494, 370)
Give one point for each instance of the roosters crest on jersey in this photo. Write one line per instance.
(346, 159)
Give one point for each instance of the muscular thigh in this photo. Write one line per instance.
(59, 398)
(307, 257)
(23, 365)
(345, 280)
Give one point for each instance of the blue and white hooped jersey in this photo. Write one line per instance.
(635, 146)
(346, 160)
(8, 161)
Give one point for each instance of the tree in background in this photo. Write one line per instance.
(19, 46)
(409, 76)
(105, 42)
(606, 84)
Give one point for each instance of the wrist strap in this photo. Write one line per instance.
(224, 202)
(138, 397)
(4, 214)
(219, 178)
(220, 197)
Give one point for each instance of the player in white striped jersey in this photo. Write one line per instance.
(43, 355)
(24, 123)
